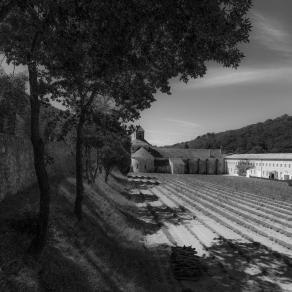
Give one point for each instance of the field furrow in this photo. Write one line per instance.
(241, 227)
(261, 218)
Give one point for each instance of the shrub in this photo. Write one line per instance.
(243, 167)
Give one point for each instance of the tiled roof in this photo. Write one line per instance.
(142, 153)
(264, 156)
(176, 161)
(188, 153)
(140, 143)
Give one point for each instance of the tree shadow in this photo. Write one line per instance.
(113, 258)
(237, 266)
(19, 271)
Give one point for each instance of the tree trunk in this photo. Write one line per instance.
(87, 164)
(39, 241)
(107, 173)
(79, 167)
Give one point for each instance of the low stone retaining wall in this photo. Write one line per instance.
(17, 167)
(16, 164)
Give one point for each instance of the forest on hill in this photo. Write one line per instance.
(273, 135)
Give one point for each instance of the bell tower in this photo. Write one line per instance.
(139, 134)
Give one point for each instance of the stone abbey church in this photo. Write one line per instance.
(150, 159)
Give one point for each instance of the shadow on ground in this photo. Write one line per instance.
(242, 267)
(231, 265)
(79, 256)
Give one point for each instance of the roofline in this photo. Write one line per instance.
(232, 158)
(174, 148)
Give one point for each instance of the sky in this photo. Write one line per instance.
(224, 99)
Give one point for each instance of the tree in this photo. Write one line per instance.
(126, 50)
(27, 29)
(130, 50)
(243, 167)
(24, 26)
(114, 155)
(111, 142)
(13, 99)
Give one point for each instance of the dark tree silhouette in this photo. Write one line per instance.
(126, 50)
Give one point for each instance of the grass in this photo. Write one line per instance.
(272, 189)
(104, 252)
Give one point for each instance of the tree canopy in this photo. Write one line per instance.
(77, 50)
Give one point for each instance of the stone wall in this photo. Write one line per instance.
(16, 164)
(17, 167)
(206, 166)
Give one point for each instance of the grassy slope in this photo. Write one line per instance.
(102, 253)
(266, 188)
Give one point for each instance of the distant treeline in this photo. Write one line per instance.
(268, 137)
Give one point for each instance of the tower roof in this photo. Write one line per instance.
(139, 128)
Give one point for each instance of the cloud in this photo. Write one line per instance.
(165, 133)
(182, 123)
(227, 77)
(272, 34)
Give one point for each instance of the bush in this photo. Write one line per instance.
(243, 167)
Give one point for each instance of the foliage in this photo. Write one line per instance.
(128, 51)
(26, 31)
(271, 136)
(77, 51)
(12, 94)
(109, 138)
(242, 167)
(114, 154)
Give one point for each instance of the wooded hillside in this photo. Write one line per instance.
(268, 137)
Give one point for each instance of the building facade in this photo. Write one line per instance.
(265, 165)
(147, 158)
